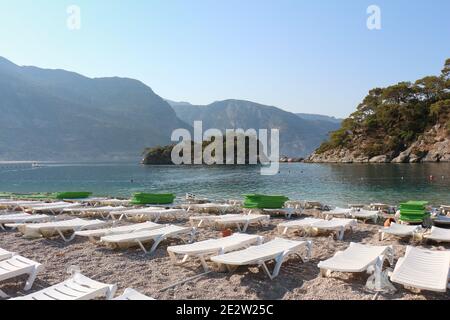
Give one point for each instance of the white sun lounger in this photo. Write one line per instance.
(21, 218)
(399, 230)
(152, 213)
(337, 212)
(200, 221)
(93, 201)
(115, 202)
(77, 287)
(96, 234)
(242, 222)
(442, 220)
(91, 211)
(296, 225)
(365, 215)
(5, 254)
(131, 294)
(278, 250)
(438, 235)
(423, 269)
(357, 258)
(287, 212)
(445, 209)
(14, 205)
(221, 207)
(336, 224)
(49, 229)
(51, 208)
(207, 248)
(18, 266)
(141, 237)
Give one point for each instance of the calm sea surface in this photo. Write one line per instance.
(331, 184)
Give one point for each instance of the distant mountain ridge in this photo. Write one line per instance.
(298, 136)
(61, 115)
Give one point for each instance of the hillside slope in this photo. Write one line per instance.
(61, 115)
(406, 122)
(298, 136)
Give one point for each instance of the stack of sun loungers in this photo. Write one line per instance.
(413, 211)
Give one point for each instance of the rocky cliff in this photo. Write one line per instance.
(403, 123)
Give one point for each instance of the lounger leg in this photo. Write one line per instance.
(157, 218)
(381, 236)
(239, 227)
(278, 262)
(325, 273)
(245, 226)
(2, 227)
(3, 295)
(340, 234)
(31, 279)
(142, 246)
(204, 264)
(156, 244)
(64, 238)
(309, 248)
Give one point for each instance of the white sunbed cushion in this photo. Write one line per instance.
(119, 230)
(257, 254)
(236, 240)
(423, 269)
(439, 234)
(356, 258)
(145, 235)
(400, 229)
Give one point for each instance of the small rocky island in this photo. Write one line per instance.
(404, 123)
(162, 155)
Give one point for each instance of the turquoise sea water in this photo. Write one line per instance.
(332, 184)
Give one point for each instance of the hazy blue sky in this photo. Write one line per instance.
(302, 56)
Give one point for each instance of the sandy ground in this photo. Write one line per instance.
(150, 274)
